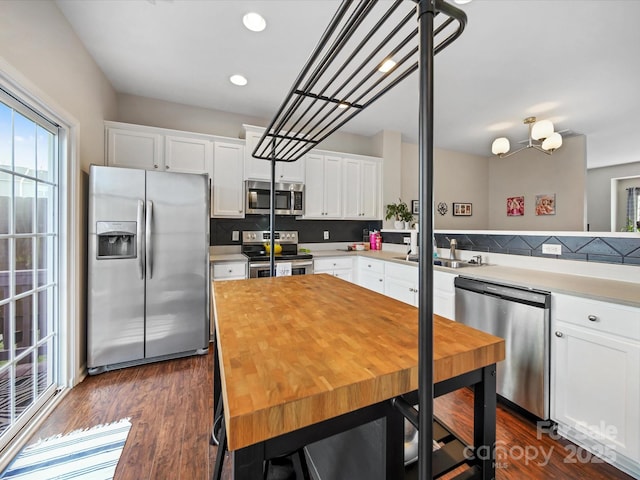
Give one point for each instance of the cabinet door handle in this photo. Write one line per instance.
(166, 167)
(155, 166)
(592, 318)
(559, 334)
(379, 279)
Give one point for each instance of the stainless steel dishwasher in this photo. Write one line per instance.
(521, 317)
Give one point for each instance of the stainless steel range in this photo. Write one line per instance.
(254, 246)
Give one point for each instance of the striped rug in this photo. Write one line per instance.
(83, 454)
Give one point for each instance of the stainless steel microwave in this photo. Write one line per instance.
(289, 198)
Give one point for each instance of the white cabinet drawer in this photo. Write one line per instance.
(223, 271)
(401, 272)
(370, 265)
(601, 316)
(326, 264)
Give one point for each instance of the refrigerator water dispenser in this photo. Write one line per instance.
(116, 240)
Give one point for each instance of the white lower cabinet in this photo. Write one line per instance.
(444, 294)
(341, 267)
(229, 271)
(595, 377)
(401, 282)
(371, 274)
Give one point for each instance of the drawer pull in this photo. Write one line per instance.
(592, 318)
(559, 334)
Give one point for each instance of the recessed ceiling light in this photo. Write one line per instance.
(238, 80)
(254, 22)
(387, 65)
(343, 105)
(461, 2)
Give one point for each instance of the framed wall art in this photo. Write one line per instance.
(462, 209)
(546, 204)
(415, 207)
(515, 206)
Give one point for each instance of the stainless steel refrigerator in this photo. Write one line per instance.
(148, 267)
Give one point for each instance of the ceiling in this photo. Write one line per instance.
(576, 62)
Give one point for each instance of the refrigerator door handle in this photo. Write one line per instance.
(149, 243)
(139, 239)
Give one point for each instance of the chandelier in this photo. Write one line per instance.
(541, 137)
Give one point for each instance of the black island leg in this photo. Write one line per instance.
(394, 443)
(484, 422)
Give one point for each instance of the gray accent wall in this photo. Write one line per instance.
(487, 182)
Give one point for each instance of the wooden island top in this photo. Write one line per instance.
(295, 351)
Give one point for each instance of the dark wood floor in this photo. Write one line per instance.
(170, 404)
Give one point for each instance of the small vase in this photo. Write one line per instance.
(407, 225)
(398, 224)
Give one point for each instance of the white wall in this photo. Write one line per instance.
(599, 193)
(38, 45)
(388, 145)
(159, 113)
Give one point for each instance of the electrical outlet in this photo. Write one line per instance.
(235, 236)
(326, 234)
(406, 240)
(550, 249)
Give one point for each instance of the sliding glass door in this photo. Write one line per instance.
(29, 224)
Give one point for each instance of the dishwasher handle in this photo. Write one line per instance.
(529, 296)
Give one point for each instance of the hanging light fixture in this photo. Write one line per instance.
(541, 131)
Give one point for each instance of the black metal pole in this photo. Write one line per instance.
(426, 14)
(272, 214)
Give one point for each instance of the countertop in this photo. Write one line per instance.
(227, 257)
(293, 353)
(624, 293)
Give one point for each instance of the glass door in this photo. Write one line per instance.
(28, 264)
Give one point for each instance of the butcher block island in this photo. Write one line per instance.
(304, 357)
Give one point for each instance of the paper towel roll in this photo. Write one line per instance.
(414, 242)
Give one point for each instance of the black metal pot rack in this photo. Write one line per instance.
(343, 77)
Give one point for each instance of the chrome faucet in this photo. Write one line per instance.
(452, 249)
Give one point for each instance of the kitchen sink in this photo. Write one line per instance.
(443, 262)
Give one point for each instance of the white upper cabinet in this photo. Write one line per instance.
(361, 189)
(260, 169)
(128, 147)
(150, 148)
(188, 154)
(323, 186)
(227, 198)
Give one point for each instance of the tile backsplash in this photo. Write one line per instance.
(616, 250)
(309, 231)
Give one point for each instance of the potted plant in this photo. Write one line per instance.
(400, 213)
